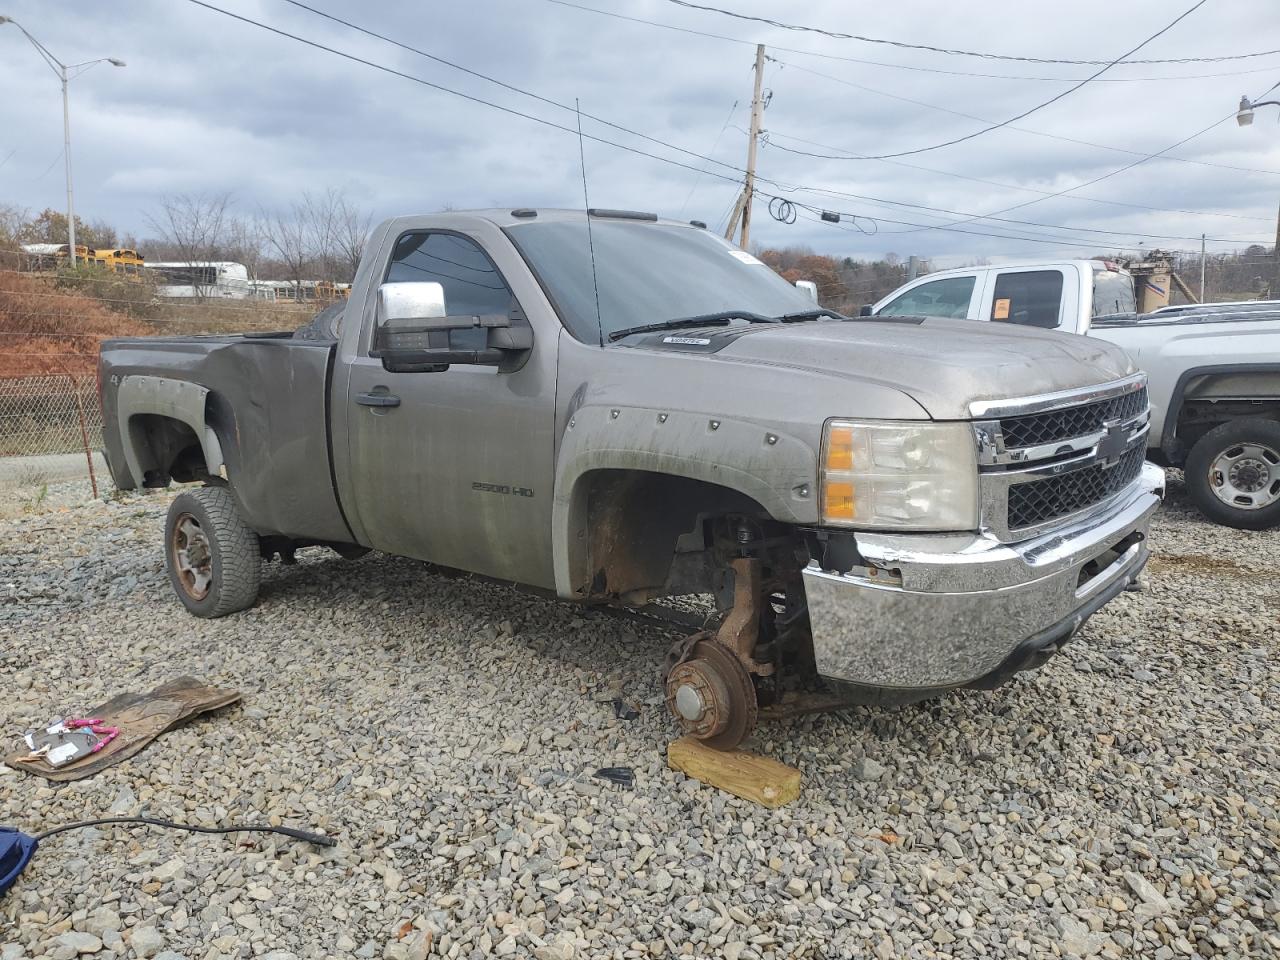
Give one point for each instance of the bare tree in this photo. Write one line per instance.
(288, 237)
(193, 224)
(321, 234)
(12, 220)
(244, 244)
(351, 230)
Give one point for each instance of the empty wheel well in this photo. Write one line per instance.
(639, 523)
(1211, 398)
(167, 449)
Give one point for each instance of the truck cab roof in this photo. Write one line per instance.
(514, 216)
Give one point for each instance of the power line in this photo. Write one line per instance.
(1016, 186)
(850, 155)
(597, 139)
(737, 170)
(975, 233)
(465, 96)
(1033, 223)
(522, 91)
(1126, 167)
(698, 180)
(893, 66)
(482, 76)
(1040, 106)
(952, 51)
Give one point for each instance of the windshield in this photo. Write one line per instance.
(647, 273)
(1112, 293)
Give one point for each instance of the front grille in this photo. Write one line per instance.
(1058, 425)
(1039, 501)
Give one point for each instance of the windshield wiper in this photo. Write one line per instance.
(702, 320)
(812, 315)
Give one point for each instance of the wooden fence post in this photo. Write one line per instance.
(84, 434)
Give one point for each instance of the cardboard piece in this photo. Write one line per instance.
(141, 718)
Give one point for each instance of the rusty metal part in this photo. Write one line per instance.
(698, 698)
(711, 694)
(192, 557)
(798, 703)
(740, 630)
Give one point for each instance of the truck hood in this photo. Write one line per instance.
(944, 365)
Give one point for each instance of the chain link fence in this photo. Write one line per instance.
(50, 432)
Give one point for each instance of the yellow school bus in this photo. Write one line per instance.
(118, 260)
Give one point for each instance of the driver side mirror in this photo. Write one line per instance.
(413, 326)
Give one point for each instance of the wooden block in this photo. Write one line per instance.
(745, 775)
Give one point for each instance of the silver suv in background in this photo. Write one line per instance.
(1214, 370)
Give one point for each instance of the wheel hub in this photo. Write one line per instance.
(689, 702)
(192, 557)
(1246, 476)
(697, 696)
(1249, 475)
(711, 695)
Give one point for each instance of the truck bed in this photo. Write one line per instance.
(268, 405)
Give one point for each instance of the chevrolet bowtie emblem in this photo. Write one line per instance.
(1113, 442)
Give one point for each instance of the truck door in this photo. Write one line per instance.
(1045, 297)
(456, 466)
(943, 297)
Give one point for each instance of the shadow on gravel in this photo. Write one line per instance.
(611, 648)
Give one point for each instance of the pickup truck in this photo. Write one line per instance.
(620, 409)
(1214, 369)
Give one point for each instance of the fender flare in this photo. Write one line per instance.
(776, 470)
(179, 400)
(1170, 445)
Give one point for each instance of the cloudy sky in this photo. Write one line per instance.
(208, 103)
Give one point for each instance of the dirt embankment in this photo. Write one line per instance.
(44, 330)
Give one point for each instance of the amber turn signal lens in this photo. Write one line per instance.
(840, 449)
(838, 501)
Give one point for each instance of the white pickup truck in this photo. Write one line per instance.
(1213, 374)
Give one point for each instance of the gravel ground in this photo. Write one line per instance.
(1120, 802)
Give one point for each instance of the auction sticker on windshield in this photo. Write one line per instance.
(745, 257)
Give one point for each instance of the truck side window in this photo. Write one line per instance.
(948, 297)
(472, 284)
(1032, 298)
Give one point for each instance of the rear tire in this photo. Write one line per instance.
(212, 557)
(1233, 474)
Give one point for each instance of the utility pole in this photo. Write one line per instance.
(66, 153)
(1275, 276)
(742, 209)
(1202, 268)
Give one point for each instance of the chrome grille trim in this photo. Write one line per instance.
(1117, 418)
(1051, 499)
(996, 409)
(1040, 430)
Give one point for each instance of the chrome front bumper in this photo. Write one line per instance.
(946, 610)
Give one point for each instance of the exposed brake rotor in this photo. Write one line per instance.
(710, 692)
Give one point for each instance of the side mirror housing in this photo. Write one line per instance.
(809, 288)
(412, 308)
(412, 328)
(865, 311)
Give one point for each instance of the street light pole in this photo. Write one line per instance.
(64, 76)
(1244, 117)
(66, 156)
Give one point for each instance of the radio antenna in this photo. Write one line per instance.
(586, 209)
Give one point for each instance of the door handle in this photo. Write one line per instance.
(377, 400)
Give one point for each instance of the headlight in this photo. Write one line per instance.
(899, 475)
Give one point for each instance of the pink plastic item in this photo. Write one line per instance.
(96, 726)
